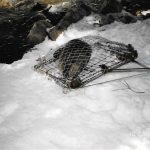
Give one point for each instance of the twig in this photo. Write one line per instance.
(128, 87)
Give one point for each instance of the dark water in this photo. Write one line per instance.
(13, 33)
(14, 28)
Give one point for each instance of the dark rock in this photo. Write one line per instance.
(124, 17)
(53, 33)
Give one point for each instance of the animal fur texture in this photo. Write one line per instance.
(73, 58)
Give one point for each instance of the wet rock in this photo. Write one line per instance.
(38, 32)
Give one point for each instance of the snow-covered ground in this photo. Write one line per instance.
(35, 114)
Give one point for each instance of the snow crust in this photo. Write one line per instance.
(35, 114)
(145, 12)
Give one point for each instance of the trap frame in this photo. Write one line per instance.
(83, 60)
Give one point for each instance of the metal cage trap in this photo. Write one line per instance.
(83, 60)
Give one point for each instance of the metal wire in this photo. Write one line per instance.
(83, 60)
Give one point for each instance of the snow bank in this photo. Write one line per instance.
(35, 114)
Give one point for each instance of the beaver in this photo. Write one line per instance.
(73, 58)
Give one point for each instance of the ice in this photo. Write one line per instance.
(35, 114)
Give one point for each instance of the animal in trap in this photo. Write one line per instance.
(83, 60)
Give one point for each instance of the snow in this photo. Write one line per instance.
(145, 12)
(35, 114)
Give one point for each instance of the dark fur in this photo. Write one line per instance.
(73, 57)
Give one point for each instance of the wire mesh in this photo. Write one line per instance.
(83, 60)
